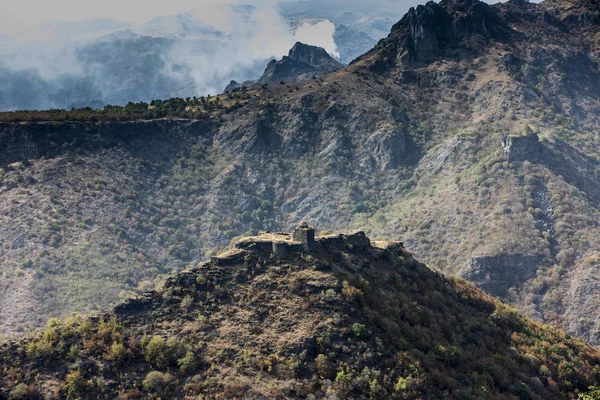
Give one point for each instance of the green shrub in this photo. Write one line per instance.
(351, 293)
(73, 352)
(75, 384)
(401, 385)
(359, 330)
(323, 366)
(593, 394)
(156, 352)
(175, 349)
(117, 353)
(187, 302)
(24, 392)
(37, 349)
(157, 382)
(188, 364)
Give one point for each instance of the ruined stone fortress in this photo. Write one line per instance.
(303, 239)
(301, 242)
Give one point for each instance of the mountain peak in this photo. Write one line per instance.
(303, 62)
(429, 30)
(460, 3)
(311, 55)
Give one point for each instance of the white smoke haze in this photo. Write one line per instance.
(321, 32)
(49, 58)
(250, 43)
(20, 16)
(75, 53)
(189, 54)
(65, 53)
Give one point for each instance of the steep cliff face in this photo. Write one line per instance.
(22, 142)
(314, 56)
(576, 14)
(521, 148)
(497, 274)
(433, 30)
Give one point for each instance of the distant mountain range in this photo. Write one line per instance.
(103, 61)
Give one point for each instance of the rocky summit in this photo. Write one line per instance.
(303, 62)
(293, 315)
(469, 132)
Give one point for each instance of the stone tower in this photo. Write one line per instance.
(305, 235)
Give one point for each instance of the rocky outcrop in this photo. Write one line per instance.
(328, 130)
(303, 240)
(497, 274)
(427, 32)
(302, 63)
(545, 219)
(314, 56)
(575, 14)
(522, 148)
(442, 156)
(286, 70)
(386, 148)
(234, 85)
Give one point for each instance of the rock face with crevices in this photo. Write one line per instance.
(521, 148)
(497, 274)
(428, 31)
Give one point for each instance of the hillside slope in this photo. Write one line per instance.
(470, 132)
(289, 317)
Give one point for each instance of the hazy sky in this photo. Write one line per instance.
(19, 15)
